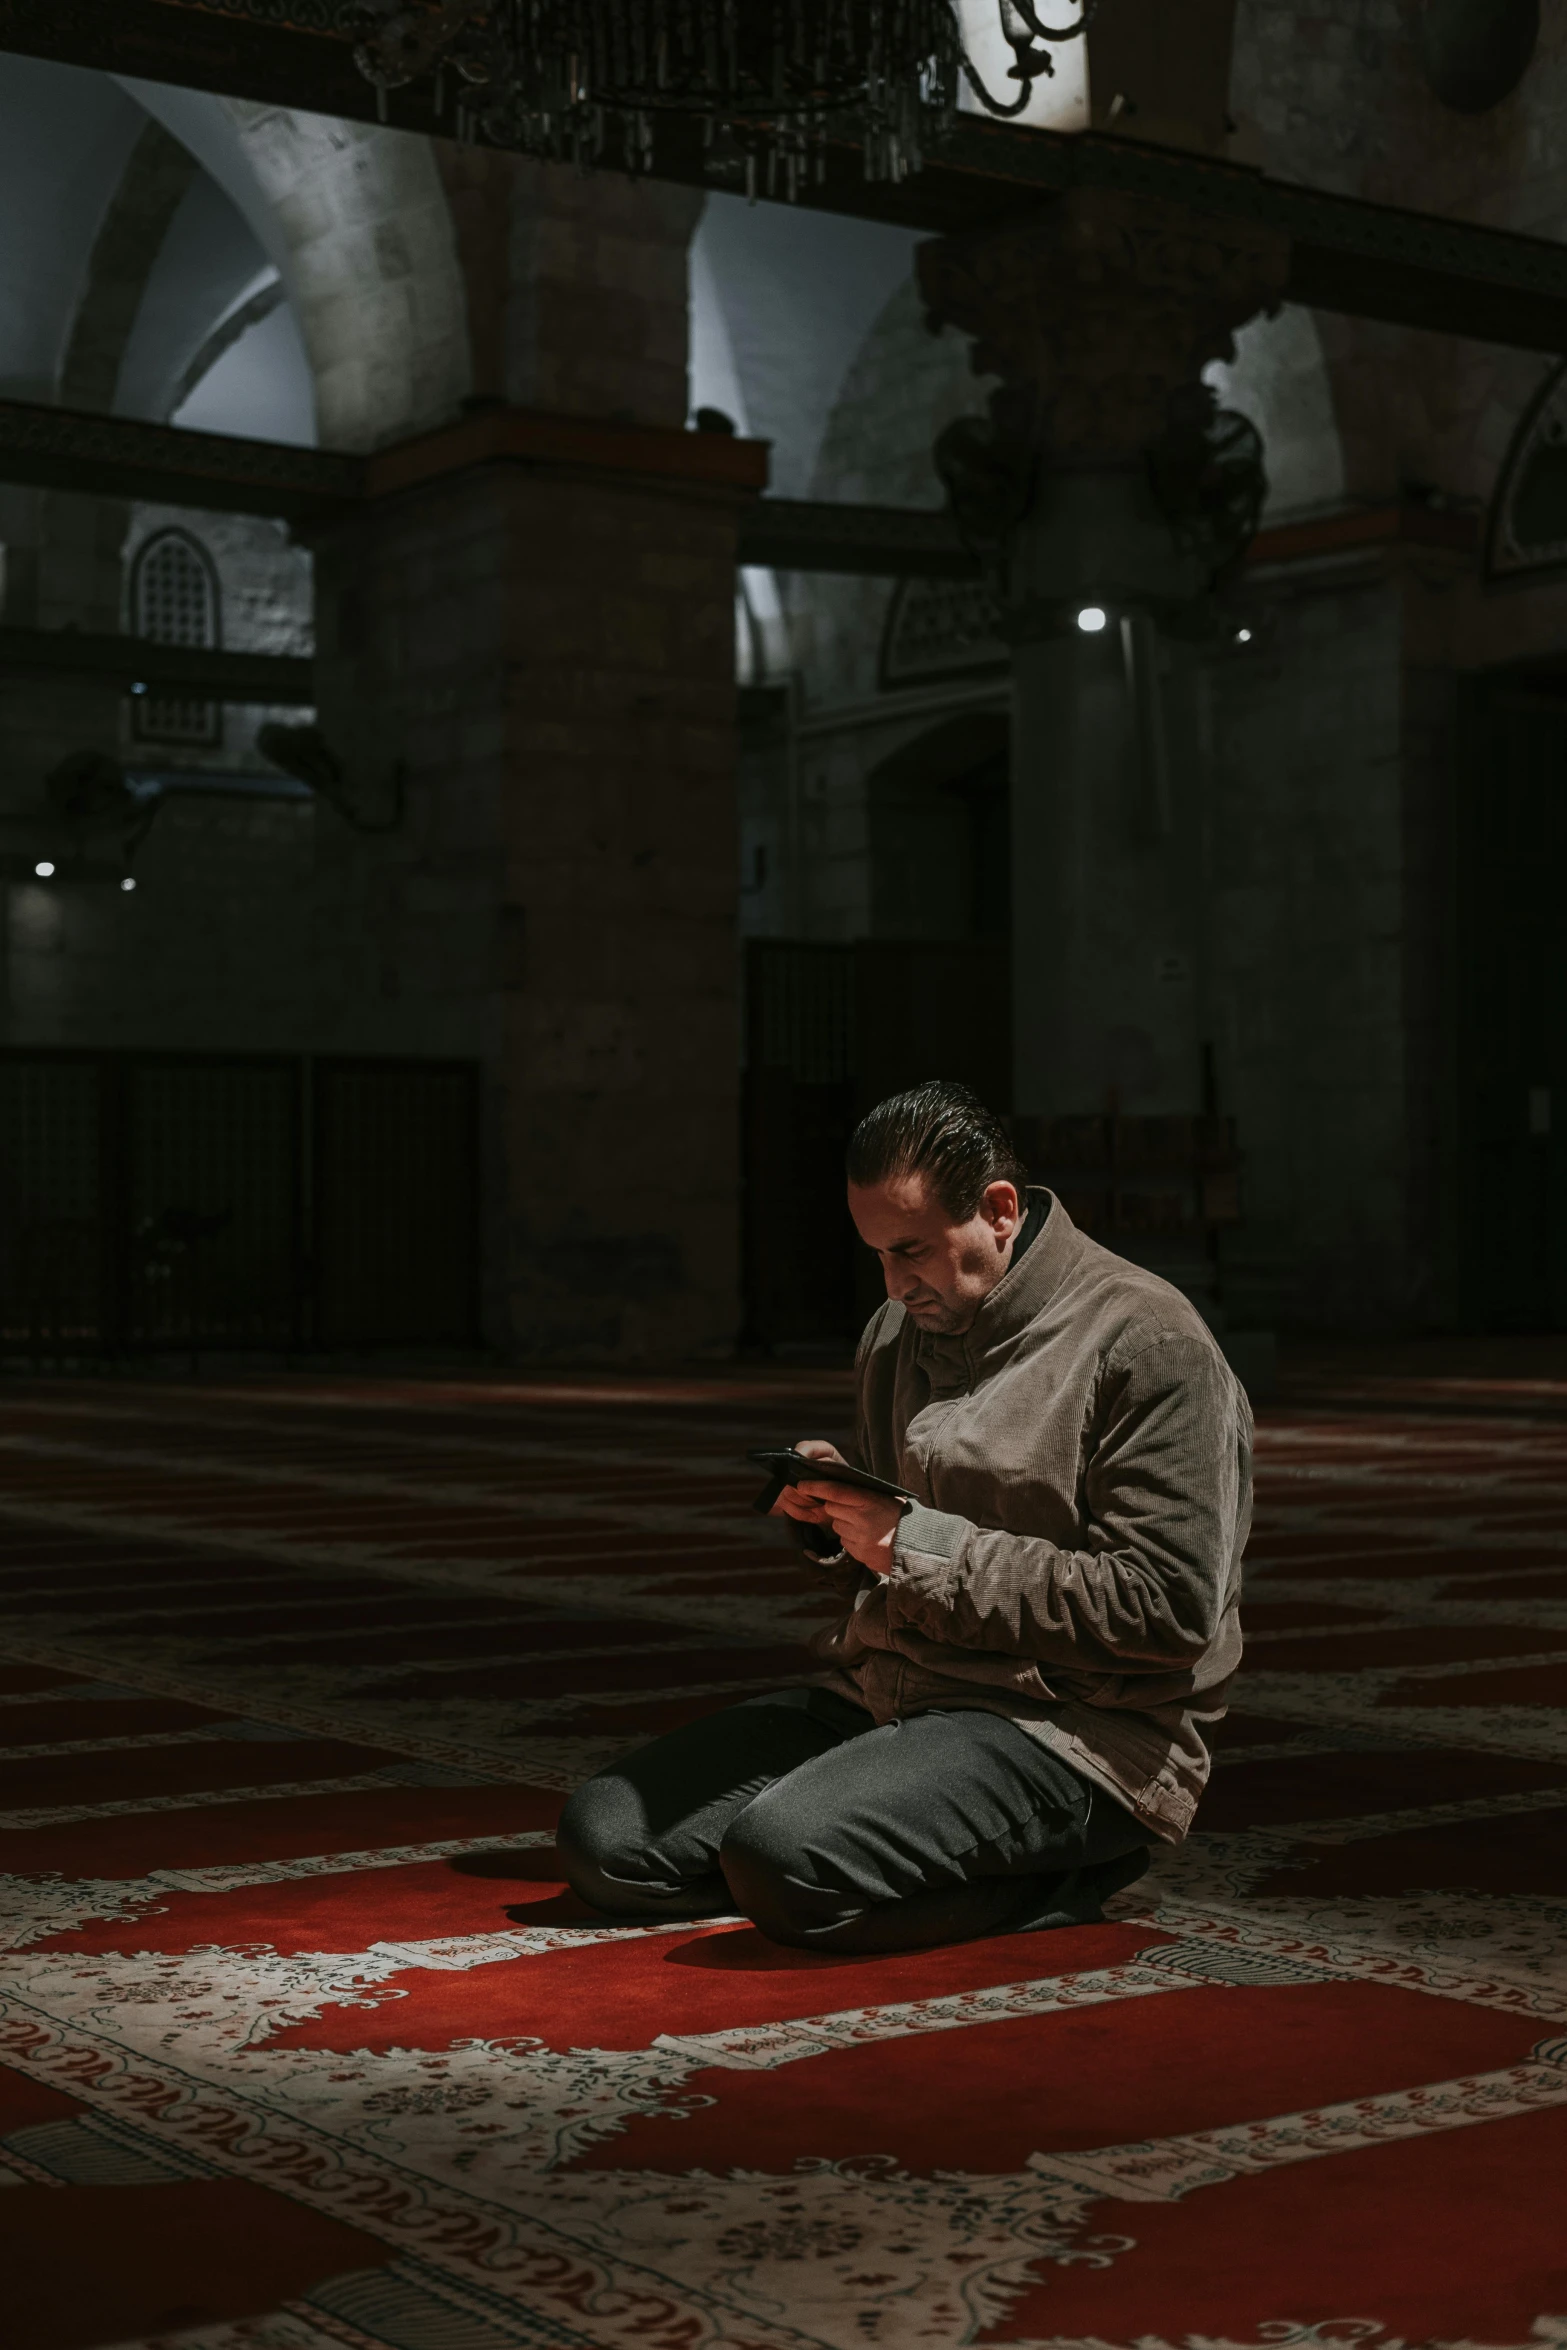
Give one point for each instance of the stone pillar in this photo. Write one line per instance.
(535, 619)
(1088, 486)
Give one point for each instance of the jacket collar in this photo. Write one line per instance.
(1022, 1293)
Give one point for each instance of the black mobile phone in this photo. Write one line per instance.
(795, 1468)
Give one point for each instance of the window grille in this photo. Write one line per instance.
(174, 601)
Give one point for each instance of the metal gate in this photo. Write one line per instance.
(154, 1203)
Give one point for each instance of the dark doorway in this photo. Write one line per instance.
(938, 813)
(830, 1030)
(1511, 996)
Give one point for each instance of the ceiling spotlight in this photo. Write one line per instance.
(1092, 619)
(1243, 636)
(138, 689)
(127, 881)
(44, 869)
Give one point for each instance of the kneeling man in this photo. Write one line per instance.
(1014, 1701)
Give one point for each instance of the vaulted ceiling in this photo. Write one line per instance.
(139, 273)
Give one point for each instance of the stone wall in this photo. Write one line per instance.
(212, 951)
(1317, 761)
(267, 605)
(256, 924)
(1333, 94)
(551, 662)
(1306, 914)
(529, 676)
(555, 899)
(1351, 1173)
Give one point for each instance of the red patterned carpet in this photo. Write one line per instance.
(302, 2044)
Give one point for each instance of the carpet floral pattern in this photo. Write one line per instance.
(303, 2043)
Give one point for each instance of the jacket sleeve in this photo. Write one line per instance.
(1162, 1502)
(843, 1576)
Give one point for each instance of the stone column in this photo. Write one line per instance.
(1090, 485)
(534, 621)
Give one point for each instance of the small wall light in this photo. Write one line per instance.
(1092, 619)
(127, 882)
(1243, 636)
(138, 689)
(43, 869)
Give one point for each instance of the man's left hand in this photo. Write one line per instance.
(865, 1523)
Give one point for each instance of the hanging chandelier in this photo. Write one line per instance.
(770, 80)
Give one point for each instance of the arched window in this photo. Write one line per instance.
(174, 601)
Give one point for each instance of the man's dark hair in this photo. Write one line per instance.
(943, 1132)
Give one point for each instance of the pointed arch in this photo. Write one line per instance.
(128, 243)
(357, 221)
(1526, 533)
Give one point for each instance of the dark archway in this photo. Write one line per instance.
(1509, 979)
(938, 818)
(833, 1028)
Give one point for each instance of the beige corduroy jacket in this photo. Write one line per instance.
(1082, 1456)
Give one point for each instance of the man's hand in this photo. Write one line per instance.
(865, 1523)
(792, 1503)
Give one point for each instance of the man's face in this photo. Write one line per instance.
(939, 1272)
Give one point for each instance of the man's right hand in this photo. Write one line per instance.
(792, 1504)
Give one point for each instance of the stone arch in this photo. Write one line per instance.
(904, 384)
(79, 540)
(357, 221)
(128, 243)
(937, 828)
(372, 266)
(1527, 528)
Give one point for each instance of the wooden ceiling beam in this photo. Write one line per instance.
(134, 665)
(113, 456)
(120, 457)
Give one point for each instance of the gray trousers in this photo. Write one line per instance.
(832, 1834)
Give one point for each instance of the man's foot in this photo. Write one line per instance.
(1076, 1897)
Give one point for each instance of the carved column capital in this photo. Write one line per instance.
(1098, 312)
